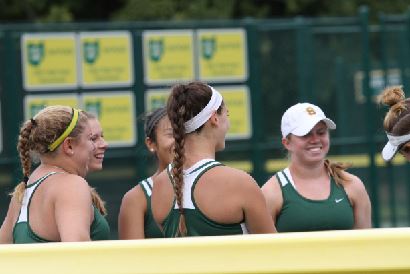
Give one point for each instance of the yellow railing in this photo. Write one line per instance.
(358, 251)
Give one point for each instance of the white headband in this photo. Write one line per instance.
(398, 140)
(203, 116)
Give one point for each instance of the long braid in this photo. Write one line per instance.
(177, 113)
(23, 147)
(185, 102)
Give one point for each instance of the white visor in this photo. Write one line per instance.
(393, 145)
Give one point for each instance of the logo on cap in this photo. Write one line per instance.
(310, 111)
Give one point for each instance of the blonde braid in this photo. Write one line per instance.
(23, 147)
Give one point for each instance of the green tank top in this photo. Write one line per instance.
(151, 229)
(23, 234)
(196, 222)
(301, 214)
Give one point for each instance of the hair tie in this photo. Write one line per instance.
(67, 131)
(25, 179)
(33, 122)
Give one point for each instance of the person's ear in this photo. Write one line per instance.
(286, 142)
(150, 144)
(214, 119)
(68, 146)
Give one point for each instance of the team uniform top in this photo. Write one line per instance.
(22, 232)
(197, 223)
(302, 214)
(151, 229)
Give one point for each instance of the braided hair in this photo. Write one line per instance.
(185, 101)
(37, 133)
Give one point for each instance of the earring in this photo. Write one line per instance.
(152, 150)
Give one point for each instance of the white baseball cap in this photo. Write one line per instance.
(393, 145)
(299, 119)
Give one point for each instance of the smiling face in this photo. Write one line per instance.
(312, 147)
(82, 149)
(97, 157)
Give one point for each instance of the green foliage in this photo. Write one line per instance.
(150, 10)
(58, 13)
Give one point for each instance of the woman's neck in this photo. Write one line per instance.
(53, 167)
(307, 171)
(198, 148)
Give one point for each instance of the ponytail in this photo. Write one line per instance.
(336, 170)
(98, 202)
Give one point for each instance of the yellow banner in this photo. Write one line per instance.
(106, 59)
(168, 56)
(222, 55)
(156, 98)
(49, 61)
(34, 103)
(116, 113)
(235, 97)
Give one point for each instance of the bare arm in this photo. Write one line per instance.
(273, 196)
(257, 216)
(360, 201)
(73, 210)
(6, 230)
(132, 212)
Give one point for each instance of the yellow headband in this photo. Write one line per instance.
(66, 132)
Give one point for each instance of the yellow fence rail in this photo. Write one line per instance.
(385, 250)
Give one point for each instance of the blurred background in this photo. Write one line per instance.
(118, 59)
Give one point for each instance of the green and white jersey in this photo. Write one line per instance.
(302, 214)
(196, 222)
(151, 229)
(22, 232)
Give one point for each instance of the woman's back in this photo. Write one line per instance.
(216, 201)
(45, 203)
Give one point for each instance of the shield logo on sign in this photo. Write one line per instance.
(208, 47)
(94, 107)
(91, 51)
(35, 53)
(156, 49)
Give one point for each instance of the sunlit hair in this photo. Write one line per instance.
(37, 133)
(397, 119)
(185, 101)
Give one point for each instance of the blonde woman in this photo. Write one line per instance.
(54, 202)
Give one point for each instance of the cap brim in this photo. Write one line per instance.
(302, 131)
(389, 151)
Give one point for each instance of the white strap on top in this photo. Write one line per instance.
(190, 176)
(27, 196)
(283, 179)
(148, 186)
